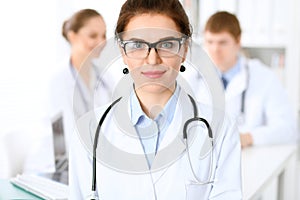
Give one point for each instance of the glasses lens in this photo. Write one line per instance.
(168, 48)
(136, 49)
(140, 49)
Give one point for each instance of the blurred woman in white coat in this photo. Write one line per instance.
(72, 88)
(142, 151)
(254, 95)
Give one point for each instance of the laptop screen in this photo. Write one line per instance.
(60, 152)
(58, 137)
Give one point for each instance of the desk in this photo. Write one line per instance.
(262, 165)
(9, 191)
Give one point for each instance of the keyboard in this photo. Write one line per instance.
(42, 187)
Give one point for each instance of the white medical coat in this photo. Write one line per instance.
(67, 99)
(268, 117)
(171, 181)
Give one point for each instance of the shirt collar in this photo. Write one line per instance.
(137, 114)
(233, 71)
(136, 109)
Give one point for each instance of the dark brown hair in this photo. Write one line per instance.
(224, 21)
(170, 8)
(78, 20)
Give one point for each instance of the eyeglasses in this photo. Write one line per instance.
(140, 49)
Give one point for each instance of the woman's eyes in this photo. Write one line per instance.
(143, 45)
(136, 45)
(166, 45)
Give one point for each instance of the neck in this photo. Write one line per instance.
(229, 65)
(153, 103)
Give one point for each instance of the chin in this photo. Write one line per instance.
(154, 88)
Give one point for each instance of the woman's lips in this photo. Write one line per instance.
(153, 74)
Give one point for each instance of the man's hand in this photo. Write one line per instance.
(246, 140)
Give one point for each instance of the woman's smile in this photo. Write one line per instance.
(154, 74)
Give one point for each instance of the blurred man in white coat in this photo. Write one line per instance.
(253, 93)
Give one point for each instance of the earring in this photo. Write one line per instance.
(182, 68)
(125, 71)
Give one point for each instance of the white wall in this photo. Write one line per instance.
(108, 9)
(31, 46)
(27, 55)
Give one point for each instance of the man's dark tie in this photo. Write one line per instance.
(225, 82)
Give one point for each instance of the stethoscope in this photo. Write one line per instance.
(81, 86)
(94, 194)
(241, 117)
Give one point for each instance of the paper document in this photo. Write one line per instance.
(42, 187)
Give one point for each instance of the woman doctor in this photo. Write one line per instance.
(253, 94)
(146, 157)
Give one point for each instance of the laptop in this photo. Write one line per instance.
(60, 151)
(50, 185)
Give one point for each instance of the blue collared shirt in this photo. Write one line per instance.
(233, 71)
(151, 132)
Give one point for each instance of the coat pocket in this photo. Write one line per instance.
(197, 192)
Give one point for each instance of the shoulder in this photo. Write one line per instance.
(96, 113)
(92, 118)
(259, 69)
(262, 76)
(86, 125)
(222, 125)
(214, 114)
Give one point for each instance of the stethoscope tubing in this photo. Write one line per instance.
(243, 98)
(195, 118)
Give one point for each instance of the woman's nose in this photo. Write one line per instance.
(153, 57)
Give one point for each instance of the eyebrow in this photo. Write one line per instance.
(142, 40)
(135, 39)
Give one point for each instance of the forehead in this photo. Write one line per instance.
(94, 23)
(150, 27)
(220, 36)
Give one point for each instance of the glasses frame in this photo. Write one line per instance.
(153, 45)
